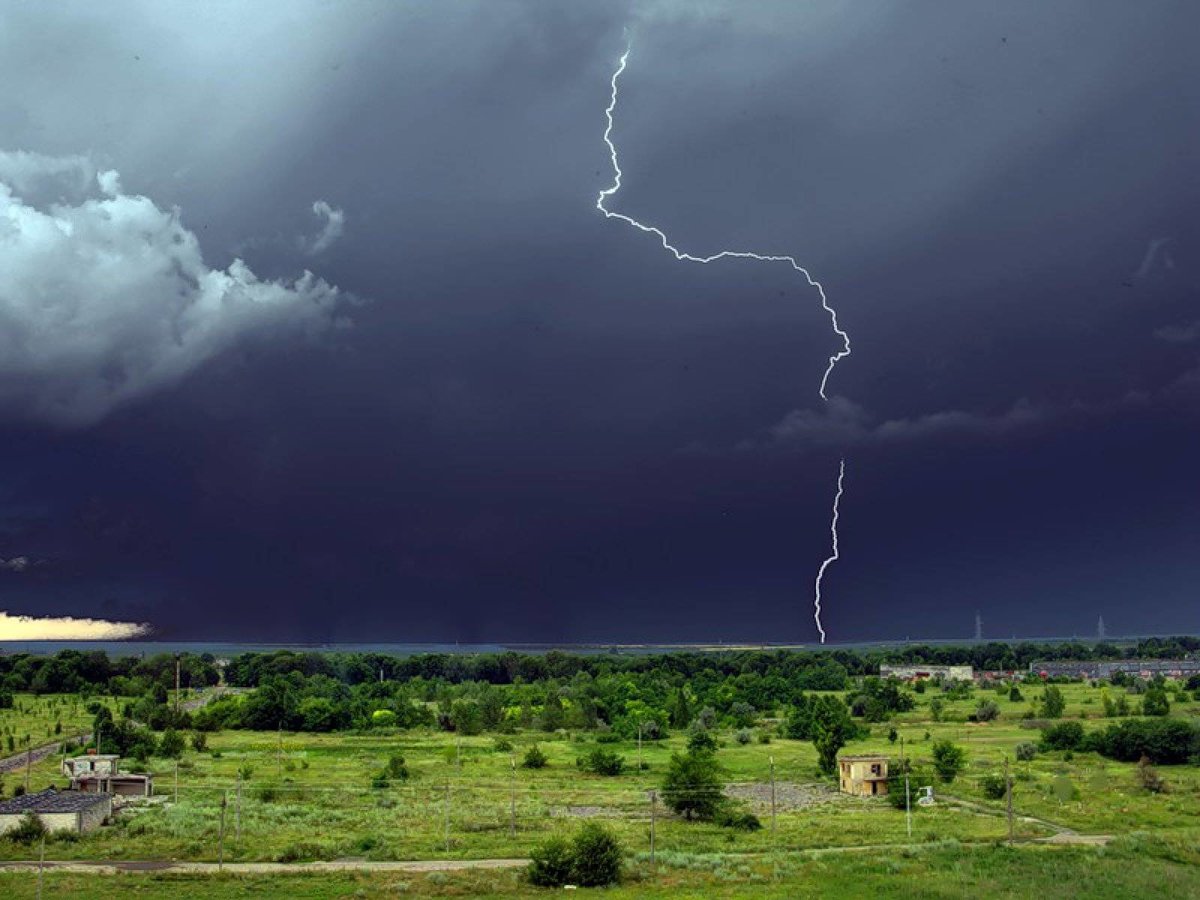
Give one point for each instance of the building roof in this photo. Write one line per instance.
(863, 757)
(51, 801)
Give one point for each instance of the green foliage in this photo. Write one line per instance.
(1155, 702)
(28, 830)
(534, 758)
(396, 768)
(1052, 703)
(199, 741)
(1148, 777)
(692, 786)
(1015, 695)
(1026, 751)
(1063, 736)
(831, 729)
(700, 738)
(550, 863)
(595, 856)
(602, 762)
(591, 859)
(948, 760)
(727, 816)
(171, 745)
(987, 711)
(994, 786)
(1162, 741)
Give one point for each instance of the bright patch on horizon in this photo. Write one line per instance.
(66, 628)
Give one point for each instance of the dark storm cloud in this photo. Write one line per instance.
(492, 450)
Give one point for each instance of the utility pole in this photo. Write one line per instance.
(176, 683)
(221, 833)
(176, 781)
(512, 799)
(279, 753)
(907, 806)
(653, 818)
(28, 763)
(772, 759)
(237, 815)
(41, 865)
(447, 813)
(1008, 797)
(641, 765)
(978, 626)
(1101, 633)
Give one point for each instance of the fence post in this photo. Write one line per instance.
(221, 833)
(512, 799)
(41, 865)
(237, 816)
(1008, 793)
(447, 809)
(653, 818)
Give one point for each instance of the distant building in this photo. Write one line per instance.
(1094, 669)
(863, 776)
(99, 774)
(915, 673)
(90, 765)
(58, 810)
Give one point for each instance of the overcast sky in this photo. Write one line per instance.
(310, 328)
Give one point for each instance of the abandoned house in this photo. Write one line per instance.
(58, 810)
(863, 776)
(95, 774)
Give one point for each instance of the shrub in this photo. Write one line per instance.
(28, 830)
(171, 745)
(199, 741)
(1155, 702)
(603, 762)
(993, 786)
(948, 760)
(1148, 777)
(692, 786)
(986, 711)
(1063, 736)
(502, 745)
(740, 819)
(1162, 741)
(534, 758)
(1053, 703)
(1026, 751)
(595, 856)
(1015, 695)
(396, 768)
(550, 863)
(700, 738)
(745, 736)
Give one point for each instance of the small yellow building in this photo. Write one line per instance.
(863, 776)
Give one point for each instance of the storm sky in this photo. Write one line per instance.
(310, 329)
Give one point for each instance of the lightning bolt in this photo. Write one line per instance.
(833, 557)
(730, 254)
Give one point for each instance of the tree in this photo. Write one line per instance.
(692, 786)
(1155, 702)
(171, 744)
(603, 762)
(986, 711)
(534, 758)
(1053, 703)
(831, 729)
(700, 738)
(596, 856)
(948, 760)
(936, 706)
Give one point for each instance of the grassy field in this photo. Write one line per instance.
(1135, 866)
(310, 796)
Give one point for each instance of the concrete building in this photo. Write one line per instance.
(91, 765)
(863, 776)
(915, 673)
(120, 785)
(1142, 668)
(58, 810)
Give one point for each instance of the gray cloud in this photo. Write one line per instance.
(104, 299)
(1179, 334)
(332, 226)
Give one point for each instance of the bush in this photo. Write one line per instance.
(550, 863)
(397, 768)
(171, 744)
(740, 819)
(199, 741)
(993, 786)
(745, 736)
(591, 859)
(986, 711)
(596, 856)
(700, 738)
(1063, 736)
(603, 762)
(534, 758)
(28, 830)
(502, 745)
(1053, 703)
(948, 760)
(1026, 751)
(1162, 741)
(1148, 777)
(692, 786)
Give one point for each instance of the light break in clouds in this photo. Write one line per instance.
(30, 628)
(105, 297)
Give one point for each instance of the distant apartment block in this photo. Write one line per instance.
(1094, 669)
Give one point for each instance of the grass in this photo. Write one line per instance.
(1139, 866)
(309, 796)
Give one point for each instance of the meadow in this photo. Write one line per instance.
(378, 793)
